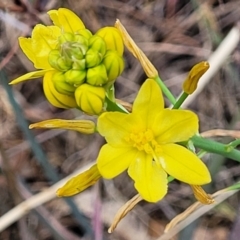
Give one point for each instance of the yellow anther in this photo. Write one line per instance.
(148, 135)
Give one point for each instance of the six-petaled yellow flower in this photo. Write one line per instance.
(145, 143)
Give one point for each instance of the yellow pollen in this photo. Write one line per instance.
(144, 141)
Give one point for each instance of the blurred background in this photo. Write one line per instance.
(175, 35)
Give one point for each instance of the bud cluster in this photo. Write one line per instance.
(85, 64)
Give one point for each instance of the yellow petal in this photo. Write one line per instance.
(183, 165)
(113, 161)
(201, 195)
(26, 46)
(29, 76)
(67, 20)
(191, 82)
(150, 179)
(44, 39)
(53, 96)
(82, 126)
(80, 182)
(148, 102)
(148, 67)
(175, 125)
(115, 127)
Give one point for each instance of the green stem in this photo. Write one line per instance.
(232, 145)
(170, 179)
(165, 90)
(215, 147)
(114, 107)
(111, 93)
(180, 100)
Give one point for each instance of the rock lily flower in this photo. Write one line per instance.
(145, 143)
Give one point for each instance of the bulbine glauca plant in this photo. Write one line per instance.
(155, 145)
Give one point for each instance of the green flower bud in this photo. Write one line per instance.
(85, 33)
(90, 99)
(72, 51)
(79, 64)
(65, 37)
(97, 76)
(112, 38)
(75, 77)
(93, 58)
(57, 61)
(81, 42)
(97, 43)
(114, 64)
(61, 85)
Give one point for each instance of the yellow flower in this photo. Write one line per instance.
(68, 55)
(44, 39)
(144, 142)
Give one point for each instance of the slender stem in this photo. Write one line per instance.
(215, 147)
(232, 145)
(165, 90)
(180, 100)
(111, 93)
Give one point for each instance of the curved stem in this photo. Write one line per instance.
(165, 90)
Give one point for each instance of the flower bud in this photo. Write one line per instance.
(97, 43)
(53, 96)
(61, 85)
(112, 38)
(114, 64)
(90, 99)
(79, 64)
(97, 76)
(191, 82)
(65, 37)
(57, 61)
(81, 43)
(75, 77)
(85, 33)
(93, 58)
(73, 51)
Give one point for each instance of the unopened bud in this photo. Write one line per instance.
(81, 42)
(93, 58)
(97, 76)
(85, 33)
(72, 51)
(54, 97)
(65, 37)
(61, 85)
(79, 64)
(97, 43)
(114, 64)
(90, 99)
(57, 61)
(112, 38)
(75, 77)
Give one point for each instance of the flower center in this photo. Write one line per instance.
(144, 141)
